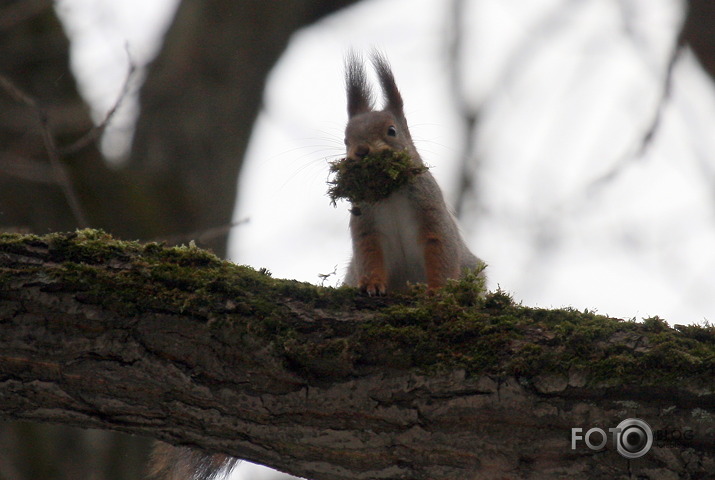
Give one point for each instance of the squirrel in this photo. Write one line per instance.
(168, 462)
(410, 236)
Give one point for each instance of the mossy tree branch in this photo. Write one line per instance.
(323, 383)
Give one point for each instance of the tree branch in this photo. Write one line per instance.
(96, 132)
(470, 163)
(323, 383)
(60, 171)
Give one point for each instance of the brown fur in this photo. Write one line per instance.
(182, 463)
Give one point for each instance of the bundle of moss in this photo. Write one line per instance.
(371, 178)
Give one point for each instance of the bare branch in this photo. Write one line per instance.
(59, 169)
(646, 137)
(62, 177)
(665, 95)
(201, 236)
(61, 172)
(16, 93)
(469, 163)
(539, 36)
(96, 132)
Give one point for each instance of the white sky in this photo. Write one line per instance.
(567, 89)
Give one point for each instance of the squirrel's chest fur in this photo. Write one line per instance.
(396, 221)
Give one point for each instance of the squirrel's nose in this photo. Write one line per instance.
(361, 151)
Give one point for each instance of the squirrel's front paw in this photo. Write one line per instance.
(373, 285)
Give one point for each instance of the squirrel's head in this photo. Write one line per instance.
(372, 131)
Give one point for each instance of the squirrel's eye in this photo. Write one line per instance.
(391, 131)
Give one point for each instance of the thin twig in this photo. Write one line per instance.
(97, 131)
(469, 163)
(16, 93)
(63, 176)
(664, 97)
(325, 276)
(647, 136)
(54, 152)
(201, 236)
(59, 169)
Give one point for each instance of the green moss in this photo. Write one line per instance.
(655, 324)
(496, 336)
(87, 246)
(702, 333)
(458, 326)
(372, 178)
(327, 360)
(130, 277)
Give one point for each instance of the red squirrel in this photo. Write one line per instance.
(410, 236)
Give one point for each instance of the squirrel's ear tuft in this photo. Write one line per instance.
(393, 99)
(359, 94)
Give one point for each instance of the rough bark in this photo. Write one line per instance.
(173, 343)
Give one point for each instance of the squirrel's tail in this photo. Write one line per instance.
(181, 463)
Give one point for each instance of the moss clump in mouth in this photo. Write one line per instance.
(371, 178)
